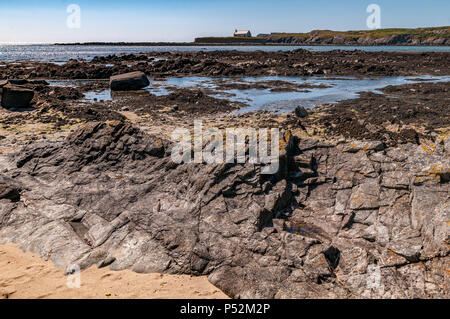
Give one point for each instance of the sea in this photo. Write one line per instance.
(62, 53)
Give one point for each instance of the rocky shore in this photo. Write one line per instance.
(358, 209)
(237, 63)
(336, 217)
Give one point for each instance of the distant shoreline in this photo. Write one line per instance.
(432, 36)
(194, 44)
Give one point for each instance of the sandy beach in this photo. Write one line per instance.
(25, 276)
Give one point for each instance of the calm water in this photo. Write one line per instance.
(341, 88)
(61, 53)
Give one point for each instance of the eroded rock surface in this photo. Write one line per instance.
(349, 219)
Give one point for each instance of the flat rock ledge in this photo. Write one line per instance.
(339, 220)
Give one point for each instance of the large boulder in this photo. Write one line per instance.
(15, 96)
(128, 81)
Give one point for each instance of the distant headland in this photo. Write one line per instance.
(434, 36)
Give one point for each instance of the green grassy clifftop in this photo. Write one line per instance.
(392, 36)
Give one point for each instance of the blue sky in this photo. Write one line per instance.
(178, 20)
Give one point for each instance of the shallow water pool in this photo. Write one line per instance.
(324, 90)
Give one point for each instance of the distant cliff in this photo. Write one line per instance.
(419, 36)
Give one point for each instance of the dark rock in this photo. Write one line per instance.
(129, 81)
(9, 189)
(107, 262)
(38, 82)
(18, 81)
(14, 96)
(26, 82)
(300, 111)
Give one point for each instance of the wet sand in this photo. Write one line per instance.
(26, 276)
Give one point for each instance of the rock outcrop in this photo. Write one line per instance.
(15, 96)
(298, 62)
(338, 220)
(128, 81)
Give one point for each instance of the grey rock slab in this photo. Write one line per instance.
(110, 195)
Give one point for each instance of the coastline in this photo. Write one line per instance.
(194, 44)
(431, 36)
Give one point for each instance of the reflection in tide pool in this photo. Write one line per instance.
(336, 89)
(97, 96)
